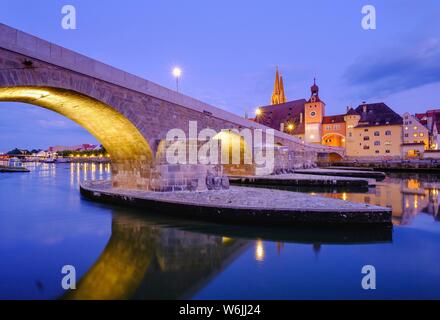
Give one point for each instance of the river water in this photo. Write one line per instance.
(121, 253)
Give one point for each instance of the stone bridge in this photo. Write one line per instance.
(128, 115)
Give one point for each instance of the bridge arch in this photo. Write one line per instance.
(333, 139)
(130, 152)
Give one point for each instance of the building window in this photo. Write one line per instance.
(406, 128)
(415, 128)
(387, 143)
(406, 135)
(415, 135)
(366, 147)
(387, 151)
(376, 133)
(377, 143)
(377, 151)
(350, 126)
(366, 138)
(365, 130)
(422, 134)
(388, 133)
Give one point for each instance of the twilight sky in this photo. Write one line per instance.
(228, 51)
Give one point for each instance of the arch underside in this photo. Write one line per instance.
(337, 140)
(130, 152)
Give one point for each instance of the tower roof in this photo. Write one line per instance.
(352, 112)
(314, 89)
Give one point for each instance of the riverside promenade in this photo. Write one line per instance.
(244, 205)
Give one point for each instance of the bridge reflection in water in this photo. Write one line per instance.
(150, 257)
(147, 261)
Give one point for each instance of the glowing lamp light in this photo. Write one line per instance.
(177, 72)
(258, 112)
(290, 127)
(259, 251)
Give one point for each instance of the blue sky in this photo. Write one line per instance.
(228, 51)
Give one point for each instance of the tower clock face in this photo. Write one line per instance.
(313, 113)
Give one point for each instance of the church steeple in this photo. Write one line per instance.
(282, 95)
(278, 95)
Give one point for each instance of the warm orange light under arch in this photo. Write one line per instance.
(130, 152)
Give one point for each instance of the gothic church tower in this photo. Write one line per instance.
(278, 95)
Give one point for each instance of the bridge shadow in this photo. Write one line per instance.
(153, 256)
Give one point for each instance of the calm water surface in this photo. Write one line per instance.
(124, 253)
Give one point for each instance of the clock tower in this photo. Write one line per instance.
(314, 111)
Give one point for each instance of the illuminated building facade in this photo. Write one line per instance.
(368, 131)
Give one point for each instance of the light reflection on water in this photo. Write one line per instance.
(407, 196)
(125, 253)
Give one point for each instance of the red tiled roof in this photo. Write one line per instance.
(333, 119)
(287, 113)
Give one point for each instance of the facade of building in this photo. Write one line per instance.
(374, 131)
(431, 120)
(415, 137)
(82, 147)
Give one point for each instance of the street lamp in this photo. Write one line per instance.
(258, 112)
(177, 73)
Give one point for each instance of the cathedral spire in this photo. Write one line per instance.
(278, 90)
(282, 94)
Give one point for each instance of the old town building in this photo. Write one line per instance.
(415, 137)
(374, 131)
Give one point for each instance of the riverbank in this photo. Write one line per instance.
(244, 205)
(428, 166)
(6, 169)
